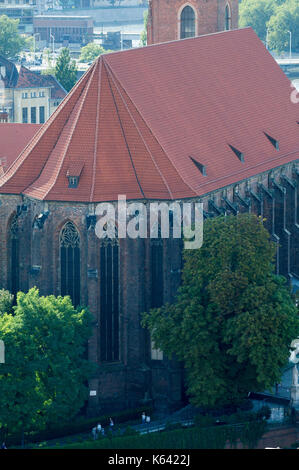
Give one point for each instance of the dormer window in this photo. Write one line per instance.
(73, 181)
(273, 141)
(73, 174)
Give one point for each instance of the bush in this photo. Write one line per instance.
(82, 425)
(264, 412)
(214, 437)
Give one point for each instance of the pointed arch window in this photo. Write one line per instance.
(187, 23)
(228, 18)
(157, 283)
(109, 299)
(69, 242)
(15, 255)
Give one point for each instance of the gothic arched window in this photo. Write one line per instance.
(109, 300)
(14, 246)
(187, 23)
(157, 284)
(157, 271)
(228, 18)
(69, 242)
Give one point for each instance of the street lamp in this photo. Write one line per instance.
(290, 43)
(35, 34)
(53, 49)
(267, 39)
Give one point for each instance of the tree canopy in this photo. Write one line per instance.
(277, 16)
(11, 42)
(66, 70)
(43, 379)
(90, 52)
(285, 20)
(234, 320)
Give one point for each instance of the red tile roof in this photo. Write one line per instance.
(13, 139)
(30, 79)
(137, 117)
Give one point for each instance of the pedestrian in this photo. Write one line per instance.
(111, 424)
(103, 432)
(99, 428)
(3, 446)
(94, 433)
(148, 419)
(143, 417)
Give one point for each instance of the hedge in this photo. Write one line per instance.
(79, 426)
(214, 437)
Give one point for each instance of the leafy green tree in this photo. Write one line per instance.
(6, 301)
(143, 36)
(43, 380)
(66, 70)
(285, 19)
(90, 52)
(234, 320)
(11, 42)
(256, 13)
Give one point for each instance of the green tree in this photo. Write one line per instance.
(11, 43)
(234, 320)
(256, 13)
(66, 70)
(90, 52)
(143, 35)
(43, 379)
(285, 19)
(6, 301)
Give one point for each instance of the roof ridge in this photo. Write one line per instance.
(96, 138)
(154, 136)
(18, 162)
(124, 136)
(80, 104)
(139, 132)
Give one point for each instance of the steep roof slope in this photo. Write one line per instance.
(168, 121)
(13, 139)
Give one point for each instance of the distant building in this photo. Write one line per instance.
(71, 29)
(181, 19)
(26, 96)
(22, 11)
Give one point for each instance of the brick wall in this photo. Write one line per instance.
(164, 18)
(273, 195)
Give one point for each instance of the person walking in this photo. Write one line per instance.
(111, 424)
(143, 417)
(94, 433)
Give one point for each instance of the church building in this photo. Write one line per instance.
(207, 119)
(169, 20)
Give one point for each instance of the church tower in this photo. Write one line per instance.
(169, 20)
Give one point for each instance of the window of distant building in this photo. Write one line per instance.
(70, 262)
(228, 18)
(33, 115)
(24, 95)
(25, 115)
(187, 22)
(33, 94)
(41, 94)
(41, 114)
